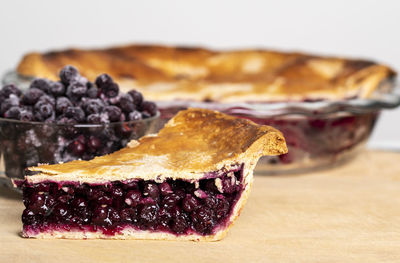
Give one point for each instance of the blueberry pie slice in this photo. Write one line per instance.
(188, 182)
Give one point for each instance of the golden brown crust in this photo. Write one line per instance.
(168, 73)
(195, 141)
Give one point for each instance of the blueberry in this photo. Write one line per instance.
(222, 208)
(94, 143)
(93, 92)
(75, 113)
(69, 74)
(7, 90)
(31, 96)
(190, 203)
(113, 112)
(170, 200)
(76, 90)
(126, 103)
(128, 215)
(94, 119)
(94, 193)
(151, 190)
(26, 115)
(76, 147)
(133, 198)
(43, 110)
(100, 216)
(117, 192)
(137, 97)
(42, 84)
(93, 106)
(180, 223)
(134, 116)
(61, 213)
(49, 99)
(103, 81)
(203, 220)
(229, 185)
(165, 188)
(111, 90)
(105, 199)
(113, 215)
(148, 215)
(57, 89)
(29, 217)
(62, 104)
(12, 101)
(13, 113)
(149, 107)
(41, 203)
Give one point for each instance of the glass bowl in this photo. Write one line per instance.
(25, 144)
(319, 134)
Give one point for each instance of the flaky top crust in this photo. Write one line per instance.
(165, 73)
(194, 142)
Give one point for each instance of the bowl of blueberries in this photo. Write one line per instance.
(70, 119)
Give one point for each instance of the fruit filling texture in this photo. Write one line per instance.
(173, 206)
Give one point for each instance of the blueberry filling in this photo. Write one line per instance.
(173, 206)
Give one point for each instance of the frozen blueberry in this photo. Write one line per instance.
(149, 107)
(48, 99)
(42, 84)
(126, 103)
(75, 113)
(8, 103)
(62, 104)
(113, 112)
(76, 148)
(57, 89)
(94, 119)
(103, 80)
(43, 110)
(137, 97)
(93, 92)
(69, 74)
(76, 90)
(93, 106)
(94, 143)
(7, 90)
(26, 115)
(134, 116)
(111, 90)
(31, 96)
(13, 113)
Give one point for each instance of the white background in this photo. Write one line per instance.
(366, 29)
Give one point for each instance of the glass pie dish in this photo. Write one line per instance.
(319, 134)
(26, 144)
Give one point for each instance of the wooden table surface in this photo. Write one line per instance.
(348, 214)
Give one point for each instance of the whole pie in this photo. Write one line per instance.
(188, 182)
(165, 73)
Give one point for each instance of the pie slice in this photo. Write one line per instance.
(188, 182)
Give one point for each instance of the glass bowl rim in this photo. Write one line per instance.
(82, 125)
(381, 100)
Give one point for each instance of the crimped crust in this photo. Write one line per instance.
(194, 142)
(164, 73)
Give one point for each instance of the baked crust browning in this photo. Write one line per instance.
(195, 141)
(165, 73)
